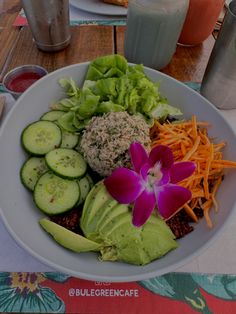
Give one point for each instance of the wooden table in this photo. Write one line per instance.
(88, 42)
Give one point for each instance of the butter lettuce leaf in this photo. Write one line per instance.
(88, 104)
(111, 84)
(109, 106)
(163, 110)
(107, 67)
(70, 86)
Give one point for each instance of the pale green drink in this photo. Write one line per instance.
(153, 30)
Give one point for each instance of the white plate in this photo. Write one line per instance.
(21, 216)
(98, 7)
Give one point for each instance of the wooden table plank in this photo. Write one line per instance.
(187, 64)
(8, 34)
(120, 35)
(87, 43)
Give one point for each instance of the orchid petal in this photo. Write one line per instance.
(170, 198)
(162, 154)
(181, 170)
(143, 208)
(138, 156)
(124, 185)
(144, 171)
(165, 178)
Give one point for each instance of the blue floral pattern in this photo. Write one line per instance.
(23, 292)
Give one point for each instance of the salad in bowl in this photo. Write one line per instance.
(122, 172)
(115, 154)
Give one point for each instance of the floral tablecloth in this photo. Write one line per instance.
(173, 293)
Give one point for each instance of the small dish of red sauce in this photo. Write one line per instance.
(18, 80)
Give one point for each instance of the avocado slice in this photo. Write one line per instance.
(115, 211)
(67, 238)
(96, 198)
(101, 212)
(109, 211)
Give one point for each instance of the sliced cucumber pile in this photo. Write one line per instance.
(54, 171)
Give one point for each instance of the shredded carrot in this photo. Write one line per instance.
(214, 190)
(207, 171)
(189, 140)
(193, 149)
(191, 213)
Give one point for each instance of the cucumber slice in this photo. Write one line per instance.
(91, 183)
(40, 137)
(69, 139)
(77, 147)
(55, 195)
(66, 163)
(84, 186)
(52, 115)
(32, 170)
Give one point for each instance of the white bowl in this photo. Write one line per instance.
(21, 216)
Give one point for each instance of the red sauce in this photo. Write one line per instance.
(22, 81)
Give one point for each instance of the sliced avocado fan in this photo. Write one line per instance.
(109, 223)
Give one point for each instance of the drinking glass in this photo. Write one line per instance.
(200, 21)
(153, 29)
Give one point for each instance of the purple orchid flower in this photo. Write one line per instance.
(151, 183)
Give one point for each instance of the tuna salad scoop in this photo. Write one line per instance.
(105, 142)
